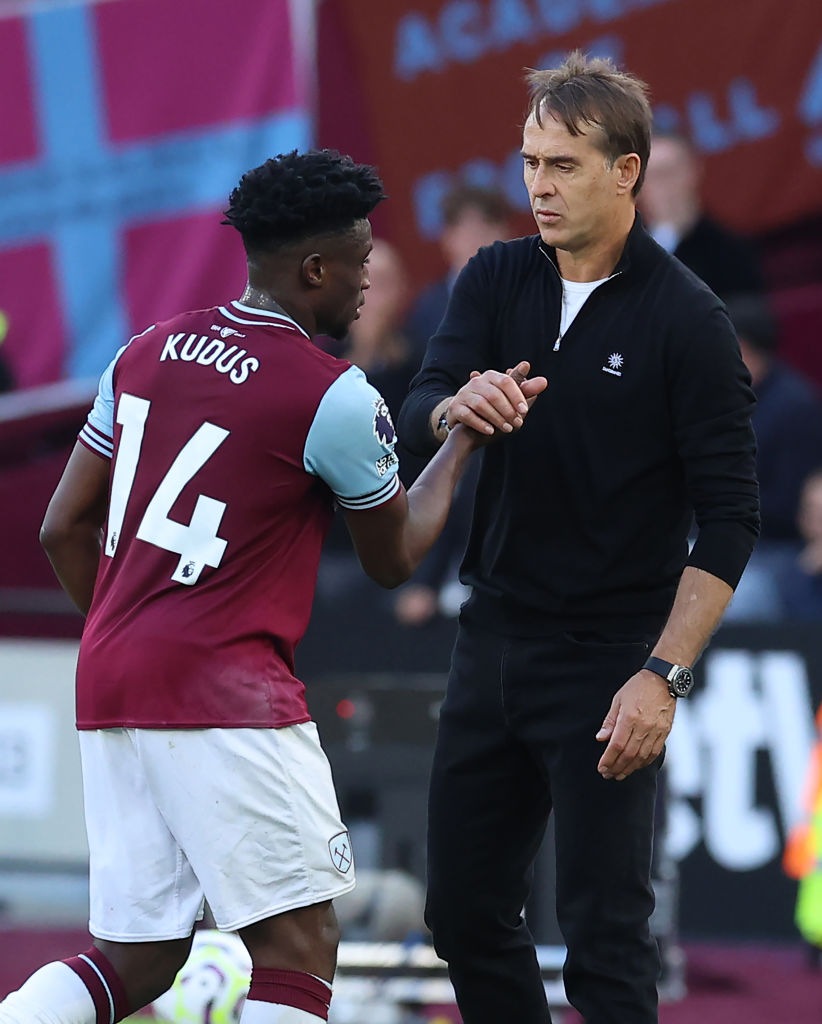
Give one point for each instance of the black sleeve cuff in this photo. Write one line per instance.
(413, 422)
(723, 549)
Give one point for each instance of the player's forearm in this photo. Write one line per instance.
(429, 500)
(74, 553)
(701, 598)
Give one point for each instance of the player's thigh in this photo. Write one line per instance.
(141, 887)
(256, 813)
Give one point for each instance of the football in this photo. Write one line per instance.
(212, 986)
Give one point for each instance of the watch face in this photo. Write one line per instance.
(682, 682)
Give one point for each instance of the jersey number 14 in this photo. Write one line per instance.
(196, 542)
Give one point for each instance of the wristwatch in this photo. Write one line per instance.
(443, 424)
(680, 678)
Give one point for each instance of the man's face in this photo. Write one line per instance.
(574, 191)
(670, 194)
(345, 266)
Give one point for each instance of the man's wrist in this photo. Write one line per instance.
(679, 678)
(440, 425)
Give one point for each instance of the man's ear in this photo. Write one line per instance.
(313, 270)
(628, 167)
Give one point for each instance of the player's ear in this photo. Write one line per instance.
(313, 270)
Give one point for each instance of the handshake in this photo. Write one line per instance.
(490, 403)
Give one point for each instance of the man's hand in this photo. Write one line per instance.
(636, 726)
(493, 401)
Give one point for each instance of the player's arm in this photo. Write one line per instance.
(392, 539)
(350, 445)
(488, 402)
(71, 530)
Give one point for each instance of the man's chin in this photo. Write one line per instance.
(552, 236)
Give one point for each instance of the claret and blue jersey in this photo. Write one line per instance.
(232, 436)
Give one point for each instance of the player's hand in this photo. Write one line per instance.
(531, 387)
(492, 401)
(636, 726)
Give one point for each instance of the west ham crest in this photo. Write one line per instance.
(339, 846)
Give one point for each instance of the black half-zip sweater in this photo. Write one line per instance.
(582, 517)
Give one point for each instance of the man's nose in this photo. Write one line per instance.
(543, 183)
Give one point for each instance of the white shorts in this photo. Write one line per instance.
(246, 818)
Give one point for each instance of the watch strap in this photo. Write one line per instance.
(662, 668)
(443, 424)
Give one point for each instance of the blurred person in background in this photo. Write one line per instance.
(800, 581)
(787, 422)
(473, 216)
(377, 343)
(671, 205)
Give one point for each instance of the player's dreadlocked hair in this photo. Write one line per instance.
(296, 195)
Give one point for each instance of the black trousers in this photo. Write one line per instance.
(515, 743)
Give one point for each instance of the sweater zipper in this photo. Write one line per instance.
(560, 336)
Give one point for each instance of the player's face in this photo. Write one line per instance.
(345, 262)
(573, 189)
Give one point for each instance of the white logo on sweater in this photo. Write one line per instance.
(614, 366)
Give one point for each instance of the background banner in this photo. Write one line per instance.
(441, 91)
(125, 126)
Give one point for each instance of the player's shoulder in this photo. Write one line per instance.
(156, 333)
(351, 406)
(349, 393)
